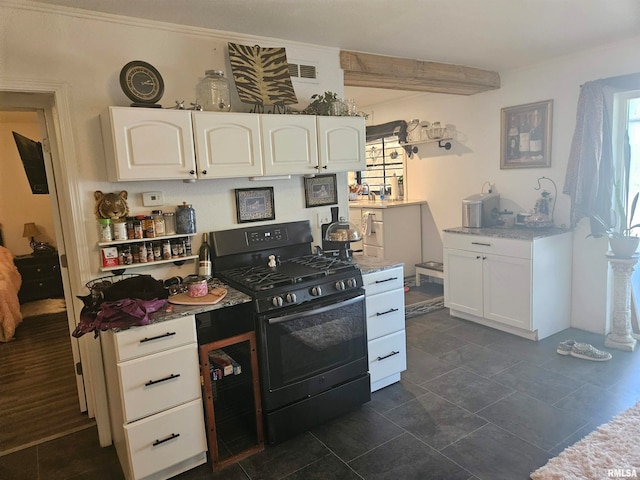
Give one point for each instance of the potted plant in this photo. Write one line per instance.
(621, 241)
(321, 103)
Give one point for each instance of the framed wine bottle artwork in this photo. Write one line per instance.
(525, 140)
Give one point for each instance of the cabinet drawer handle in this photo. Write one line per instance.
(168, 334)
(391, 310)
(386, 280)
(170, 437)
(480, 243)
(387, 356)
(170, 377)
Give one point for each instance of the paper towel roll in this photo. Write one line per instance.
(395, 190)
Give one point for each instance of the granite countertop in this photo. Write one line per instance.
(369, 264)
(171, 311)
(516, 233)
(377, 203)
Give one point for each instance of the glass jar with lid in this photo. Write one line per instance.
(185, 219)
(158, 221)
(212, 92)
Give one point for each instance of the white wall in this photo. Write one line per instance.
(86, 52)
(445, 178)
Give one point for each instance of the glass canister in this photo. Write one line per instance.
(185, 219)
(169, 223)
(158, 221)
(212, 92)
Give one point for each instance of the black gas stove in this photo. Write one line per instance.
(309, 315)
(275, 266)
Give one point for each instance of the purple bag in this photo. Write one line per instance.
(124, 313)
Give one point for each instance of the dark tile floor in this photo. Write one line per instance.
(474, 403)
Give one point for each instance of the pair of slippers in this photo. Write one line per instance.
(582, 350)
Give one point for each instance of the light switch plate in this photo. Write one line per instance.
(152, 199)
(323, 218)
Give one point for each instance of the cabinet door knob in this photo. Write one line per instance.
(325, 167)
(317, 167)
(204, 172)
(192, 172)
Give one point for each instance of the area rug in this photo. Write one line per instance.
(421, 308)
(47, 306)
(610, 451)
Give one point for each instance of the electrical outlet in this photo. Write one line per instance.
(152, 199)
(323, 217)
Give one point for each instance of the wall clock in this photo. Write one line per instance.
(142, 83)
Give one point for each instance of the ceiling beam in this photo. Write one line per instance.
(377, 71)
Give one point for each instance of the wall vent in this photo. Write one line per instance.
(303, 72)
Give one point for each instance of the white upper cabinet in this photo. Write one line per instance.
(341, 144)
(157, 144)
(227, 144)
(289, 144)
(148, 144)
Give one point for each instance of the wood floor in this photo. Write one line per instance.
(38, 395)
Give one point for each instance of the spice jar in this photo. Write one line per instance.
(149, 227)
(185, 219)
(166, 249)
(138, 230)
(130, 232)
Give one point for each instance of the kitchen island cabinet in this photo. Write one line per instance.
(515, 281)
(396, 230)
(384, 297)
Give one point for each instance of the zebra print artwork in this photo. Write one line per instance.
(261, 75)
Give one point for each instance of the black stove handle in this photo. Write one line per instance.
(314, 311)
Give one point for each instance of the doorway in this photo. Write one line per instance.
(28, 116)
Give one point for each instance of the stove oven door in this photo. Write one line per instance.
(313, 349)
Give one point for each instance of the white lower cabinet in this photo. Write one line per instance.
(387, 346)
(395, 234)
(155, 399)
(518, 286)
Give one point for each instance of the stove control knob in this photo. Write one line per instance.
(290, 298)
(340, 285)
(351, 283)
(276, 301)
(316, 291)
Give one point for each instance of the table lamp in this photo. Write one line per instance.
(30, 231)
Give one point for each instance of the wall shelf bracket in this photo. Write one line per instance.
(446, 145)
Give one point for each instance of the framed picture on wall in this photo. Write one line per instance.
(320, 190)
(254, 204)
(525, 140)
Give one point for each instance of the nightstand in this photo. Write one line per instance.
(40, 277)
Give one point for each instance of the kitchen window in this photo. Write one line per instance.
(386, 159)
